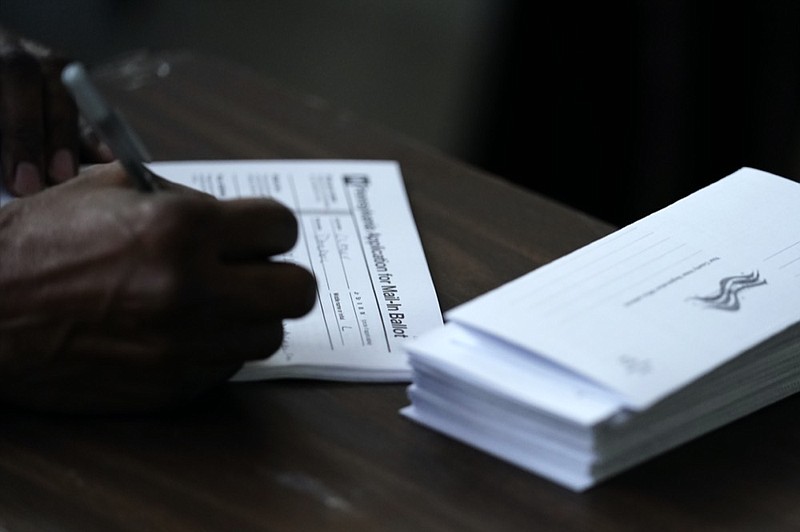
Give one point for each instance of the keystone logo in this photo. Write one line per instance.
(727, 297)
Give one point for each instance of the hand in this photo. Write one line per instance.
(117, 300)
(40, 138)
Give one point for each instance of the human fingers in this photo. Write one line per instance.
(255, 229)
(91, 148)
(62, 140)
(21, 119)
(218, 340)
(114, 174)
(103, 175)
(265, 291)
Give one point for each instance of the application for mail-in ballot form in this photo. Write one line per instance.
(357, 235)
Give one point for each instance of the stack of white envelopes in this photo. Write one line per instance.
(653, 335)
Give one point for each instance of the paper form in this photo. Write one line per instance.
(469, 357)
(357, 235)
(655, 305)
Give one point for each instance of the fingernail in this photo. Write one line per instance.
(62, 165)
(105, 153)
(27, 179)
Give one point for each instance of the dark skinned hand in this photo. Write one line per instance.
(117, 300)
(41, 140)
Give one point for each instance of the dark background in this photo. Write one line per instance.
(632, 105)
(616, 108)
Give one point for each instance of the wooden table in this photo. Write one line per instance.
(326, 456)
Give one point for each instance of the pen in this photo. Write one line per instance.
(109, 126)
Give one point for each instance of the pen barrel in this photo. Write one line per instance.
(127, 148)
(109, 126)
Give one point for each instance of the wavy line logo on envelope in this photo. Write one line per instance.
(727, 297)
